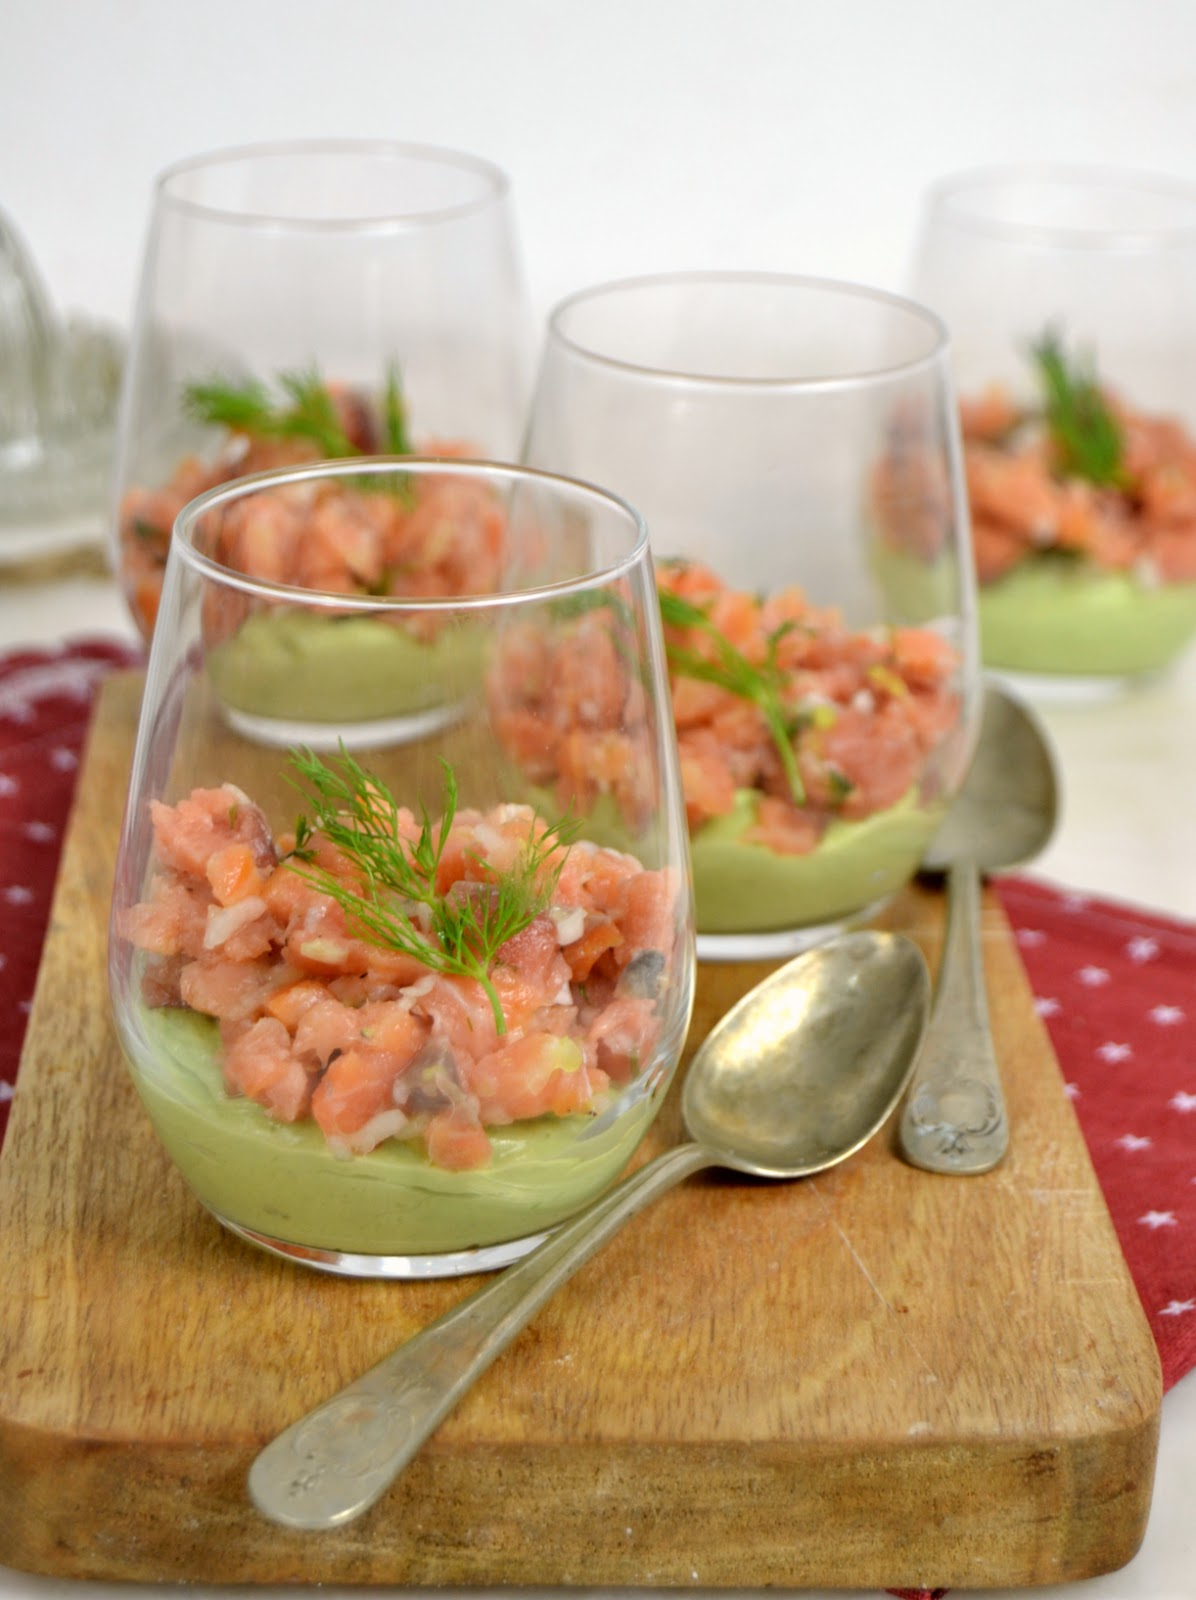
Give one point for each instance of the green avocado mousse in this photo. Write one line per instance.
(301, 665)
(1058, 614)
(746, 887)
(282, 1181)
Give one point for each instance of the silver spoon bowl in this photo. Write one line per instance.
(795, 1078)
(955, 1120)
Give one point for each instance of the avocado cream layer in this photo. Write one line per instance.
(1055, 614)
(281, 1179)
(742, 887)
(300, 665)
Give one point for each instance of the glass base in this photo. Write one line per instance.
(379, 733)
(343, 1263)
(780, 943)
(1063, 689)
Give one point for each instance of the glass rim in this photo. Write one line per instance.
(402, 605)
(496, 180)
(835, 287)
(944, 194)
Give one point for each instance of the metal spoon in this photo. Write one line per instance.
(954, 1119)
(796, 1077)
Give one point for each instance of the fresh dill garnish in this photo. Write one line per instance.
(307, 412)
(147, 532)
(1086, 436)
(397, 904)
(731, 670)
(395, 437)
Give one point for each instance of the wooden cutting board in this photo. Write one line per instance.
(876, 1377)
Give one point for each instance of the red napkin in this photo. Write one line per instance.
(1116, 987)
(46, 698)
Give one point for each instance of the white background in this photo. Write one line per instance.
(643, 135)
(640, 135)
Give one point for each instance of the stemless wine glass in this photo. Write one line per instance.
(793, 446)
(398, 1010)
(313, 300)
(1070, 294)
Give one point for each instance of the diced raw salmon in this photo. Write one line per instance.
(370, 1041)
(456, 1140)
(600, 936)
(233, 873)
(1026, 498)
(235, 991)
(354, 1101)
(260, 1064)
(188, 834)
(173, 919)
(534, 1075)
(625, 1033)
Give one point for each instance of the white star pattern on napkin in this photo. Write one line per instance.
(1142, 949)
(1176, 1308)
(1183, 1101)
(1046, 1006)
(65, 677)
(1158, 1219)
(1134, 1141)
(1114, 1052)
(1092, 977)
(1166, 1016)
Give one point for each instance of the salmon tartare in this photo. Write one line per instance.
(434, 1037)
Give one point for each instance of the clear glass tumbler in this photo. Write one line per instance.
(793, 445)
(309, 301)
(398, 1009)
(1070, 294)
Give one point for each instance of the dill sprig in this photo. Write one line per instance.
(308, 410)
(1086, 436)
(397, 904)
(395, 437)
(731, 670)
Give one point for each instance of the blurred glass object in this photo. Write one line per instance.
(59, 386)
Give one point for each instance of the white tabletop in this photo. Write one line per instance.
(1127, 831)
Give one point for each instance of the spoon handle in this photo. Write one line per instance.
(954, 1116)
(331, 1465)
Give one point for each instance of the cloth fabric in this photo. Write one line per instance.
(46, 698)
(1115, 985)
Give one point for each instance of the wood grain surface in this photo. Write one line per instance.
(876, 1377)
